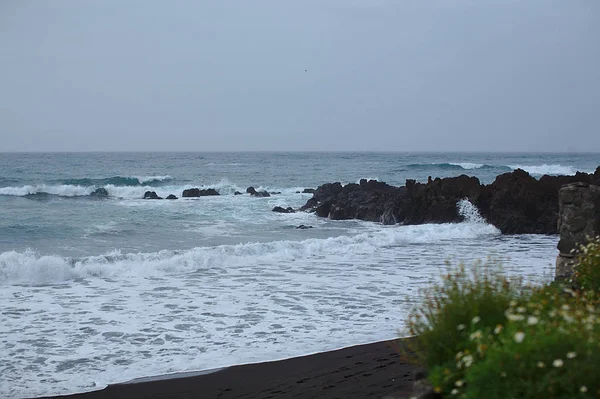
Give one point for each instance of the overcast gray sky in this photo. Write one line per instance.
(399, 75)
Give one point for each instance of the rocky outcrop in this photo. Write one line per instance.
(304, 227)
(280, 209)
(515, 202)
(578, 220)
(171, 197)
(252, 191)
(196, 192)
(518, 203)
(237, 193)
(151, 195)
(375, 201)
(308, 191)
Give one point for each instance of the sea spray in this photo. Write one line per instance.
(469, 212)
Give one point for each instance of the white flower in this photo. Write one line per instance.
(515, 317)
(532, 320)
(571, 355)
(460, 327)
(476, 335)
(498, 329)
(521, 309)
(583, 389)
(565, 307)
(459, 383)
(541, 365)
(519, 336)
(558, 363)
(454, 391)
(475, 319)
(468, 360)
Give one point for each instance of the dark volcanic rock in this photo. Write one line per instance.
(196, 192)
(279, 209)
(151, 195)
(275, 192)
(100, 193)
(252, 191)
(308, 191)
(237, 193)
(171, 197)
(515, 202)
(304, 227)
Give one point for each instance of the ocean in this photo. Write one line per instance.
(97, 291)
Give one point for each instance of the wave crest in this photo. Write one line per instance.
(453, 166)
(545, 169)
(31, 268)
(119, 181)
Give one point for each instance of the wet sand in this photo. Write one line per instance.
(365, 371)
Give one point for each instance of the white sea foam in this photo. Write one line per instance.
(470, 212)
(29, 267)
(224, 187)
(545, 169)
(66, 190)
(147, 314)
(467, 165)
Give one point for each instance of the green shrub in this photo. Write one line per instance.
(481, 336)
(468, 303)
(549, 348)
(587, 271)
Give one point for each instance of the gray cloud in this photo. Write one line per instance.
(314, 75)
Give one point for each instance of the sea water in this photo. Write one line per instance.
(97, 291)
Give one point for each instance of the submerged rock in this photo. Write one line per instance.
(151, 195)
(279, 209)
(308, 191)
(171, 197)
(304, 227)
(252, 191)
(100, 193)
(196, 192)
(237, 193)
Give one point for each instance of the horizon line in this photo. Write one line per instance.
(294, 151)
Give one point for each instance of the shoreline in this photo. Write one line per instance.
(374, 369)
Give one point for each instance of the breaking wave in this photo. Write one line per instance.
(122, 191)
(119, 181)
(546, 169)
(29, 267)
(452, 166)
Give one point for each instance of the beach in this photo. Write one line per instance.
(101, 286)
(373, 370)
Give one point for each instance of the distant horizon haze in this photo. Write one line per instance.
(340, 75)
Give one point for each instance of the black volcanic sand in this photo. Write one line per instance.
(365, 371)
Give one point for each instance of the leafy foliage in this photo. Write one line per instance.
(483, 336)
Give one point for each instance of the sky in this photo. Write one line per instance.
(310, 75)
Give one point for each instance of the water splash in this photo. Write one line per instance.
(469, 212)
